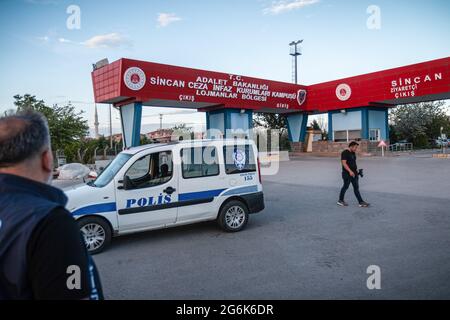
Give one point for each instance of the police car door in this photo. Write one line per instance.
(200, 182)
(146, 192)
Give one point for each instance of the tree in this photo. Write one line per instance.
(270, 121)
(320, 125)
(394, 136)
(273, 121)
(144, 140)
(182, 127)
(182, 130)
(315, 125)
(65, 124)
(418, 123)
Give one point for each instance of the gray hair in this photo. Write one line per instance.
(23, 135)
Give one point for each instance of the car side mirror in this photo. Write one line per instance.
(127, 183)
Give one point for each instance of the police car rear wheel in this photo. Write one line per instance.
(96, 233)
(234, 216)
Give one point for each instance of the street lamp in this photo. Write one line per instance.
(295, 52)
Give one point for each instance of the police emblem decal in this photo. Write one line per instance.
(239, 159)
(134, 78)
(301, 96)
(343, 92)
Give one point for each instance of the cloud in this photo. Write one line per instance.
(44, 38)
(110, 40)
(164, 19)
(63, 40)
(278, 7)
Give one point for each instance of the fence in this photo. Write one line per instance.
(88, 155)
(267, 141)
(401, 147)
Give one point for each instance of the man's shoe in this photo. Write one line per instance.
(364, 204)
(342, 203)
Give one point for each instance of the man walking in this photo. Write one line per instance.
(42, 253)
(350, 175)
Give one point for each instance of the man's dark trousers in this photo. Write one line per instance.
(354, 181)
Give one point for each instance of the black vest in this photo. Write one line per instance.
(23, 204)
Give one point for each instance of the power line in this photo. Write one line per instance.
(169, 114)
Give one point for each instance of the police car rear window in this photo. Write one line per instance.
(199, 162)
(239, 159)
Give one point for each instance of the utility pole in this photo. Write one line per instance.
(160, 121)
(295, 52)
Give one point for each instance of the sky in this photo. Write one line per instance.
(48, 46)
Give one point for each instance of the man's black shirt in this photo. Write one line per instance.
(351, 160)
(55, 244)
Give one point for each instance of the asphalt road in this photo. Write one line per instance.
(303, 246)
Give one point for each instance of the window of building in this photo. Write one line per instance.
(151, 170)
(354, 135)
(199, 162)
(374, 134)
(239, 159)
(340, 136)
(347, 135)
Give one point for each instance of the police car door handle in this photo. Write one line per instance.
(169, 190)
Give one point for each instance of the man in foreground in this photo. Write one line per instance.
(42, 253)
(350, 175)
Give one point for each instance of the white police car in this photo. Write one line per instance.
(163, 185)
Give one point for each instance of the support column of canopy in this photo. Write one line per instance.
(131, 116)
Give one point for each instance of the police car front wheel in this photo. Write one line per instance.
(96, 233)
(233, 216)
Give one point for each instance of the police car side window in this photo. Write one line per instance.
(239, 159)
(199, 162)
(151, 170)
(140, 168)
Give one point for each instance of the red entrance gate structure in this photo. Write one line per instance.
(357, 106)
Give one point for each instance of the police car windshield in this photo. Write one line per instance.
(111, 170)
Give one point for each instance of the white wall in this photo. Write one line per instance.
(217, 121)
(347, 121)
(239, 120)
(377, 120)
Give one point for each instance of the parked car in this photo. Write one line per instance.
(442, 142)
(73, 171)
(402, 142)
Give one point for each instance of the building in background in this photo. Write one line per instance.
(160, 135)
